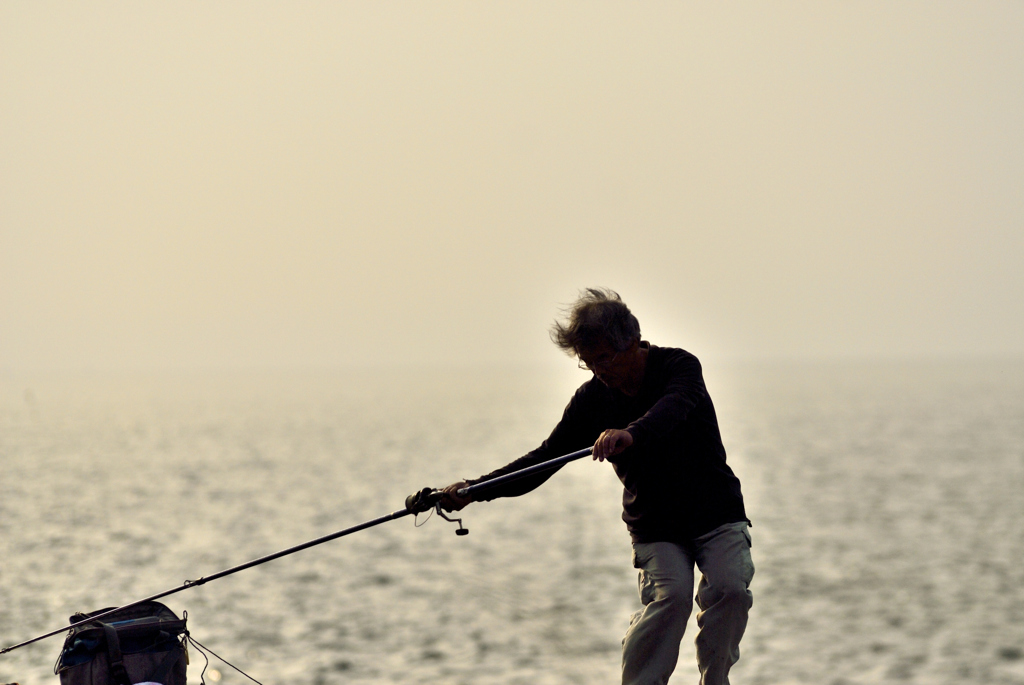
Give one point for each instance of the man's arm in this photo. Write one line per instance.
(684, 389)
(574, 431)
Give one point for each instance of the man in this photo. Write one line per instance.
(647, 412)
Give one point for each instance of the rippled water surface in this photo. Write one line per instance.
(888, 503)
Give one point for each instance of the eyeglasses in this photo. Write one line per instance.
(598, 363)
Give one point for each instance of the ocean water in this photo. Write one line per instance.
(887, 500)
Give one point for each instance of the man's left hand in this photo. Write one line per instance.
(611, 442)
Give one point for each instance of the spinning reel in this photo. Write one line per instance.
(427, 499)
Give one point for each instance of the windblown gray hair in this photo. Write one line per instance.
(598, 315)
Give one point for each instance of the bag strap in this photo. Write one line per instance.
(115, 661)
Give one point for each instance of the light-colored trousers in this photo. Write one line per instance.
(650, 648)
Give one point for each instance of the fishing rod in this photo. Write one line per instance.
(417, 503)
(226, 572)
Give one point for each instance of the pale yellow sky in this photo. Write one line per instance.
(334, 184)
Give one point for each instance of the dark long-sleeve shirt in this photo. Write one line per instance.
(676, 483)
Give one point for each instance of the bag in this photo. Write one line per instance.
(141, 644)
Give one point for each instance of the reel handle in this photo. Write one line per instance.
(460, 530)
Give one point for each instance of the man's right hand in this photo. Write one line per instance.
(450, 501)
(611, 442)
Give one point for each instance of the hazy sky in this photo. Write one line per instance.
(343, 183)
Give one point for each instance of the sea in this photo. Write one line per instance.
(887, 500)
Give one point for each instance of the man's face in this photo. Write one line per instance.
(611, 367)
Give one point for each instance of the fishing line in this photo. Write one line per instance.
(200, 647)
(416, 519)
(202, 675)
